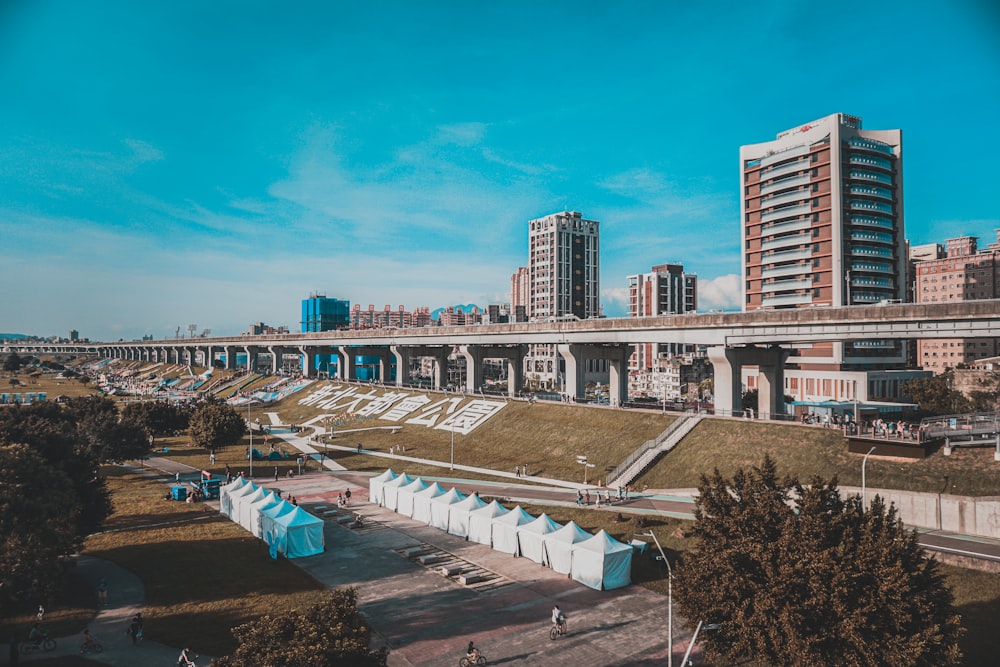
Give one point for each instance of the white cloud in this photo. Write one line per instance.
(722, 293)
(614, 300)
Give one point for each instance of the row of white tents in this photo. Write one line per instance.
(598, 561)
(287, 529)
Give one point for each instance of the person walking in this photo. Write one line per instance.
(41, 613)
(359, 448)
(275, 473)
(517, 471)
(102, 591)
(347, 497)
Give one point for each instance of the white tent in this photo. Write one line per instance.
(404, 497)
(422, 502)
(241, 511)
(269, 500)
(529, 538)
(390, 490)
(559, 546)
(441, 507)
(236, 498)
(481, 522)
(602, 562)
(459, 513)
(299, 534)
(225, 501)
(505, 530)
(375, 485)
(269, 518)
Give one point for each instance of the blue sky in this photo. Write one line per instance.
(169, 163)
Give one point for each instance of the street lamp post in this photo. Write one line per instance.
(250, 451)
(452, 449)
(864, 489)
(582, 460)
(670, 599)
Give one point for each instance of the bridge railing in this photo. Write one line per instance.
(643, 448)
(961, 427)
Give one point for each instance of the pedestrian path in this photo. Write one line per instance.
(126, 597)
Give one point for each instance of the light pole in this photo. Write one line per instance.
(452, 449)
(864, 490)
(670, 599)
(582, 460)
(250, 451)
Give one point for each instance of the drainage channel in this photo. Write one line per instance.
(462, 572)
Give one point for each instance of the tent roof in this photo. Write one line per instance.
(257, 494)
(571, 533)
(415, 486)
(385, 476)
(269, 496)
(471, 503)
(494, 509)
(602, 543)
(298, 517)
(542, 524)
(400, 481)
(515, 517)
(235, 484)
(284, 507)
(432, 491)
(449, 497)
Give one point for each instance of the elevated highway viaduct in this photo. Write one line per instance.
(762, 338)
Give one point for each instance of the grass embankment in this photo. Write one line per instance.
(803, 451)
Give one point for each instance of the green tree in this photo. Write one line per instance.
(12, 363)
(214, 425)
(797, 575)
(103, 431)
(937, 395)
(330, 633)
(156, 418)
(52, 432)
(39, 510)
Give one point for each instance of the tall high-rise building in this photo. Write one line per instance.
(822, 225)
(666, 290)
(563, 281)
(963, 272)
(520, 289)
(320, 313)
(564, 266)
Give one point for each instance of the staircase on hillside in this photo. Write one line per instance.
(651, 450)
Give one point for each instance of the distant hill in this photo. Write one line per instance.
(4, 336)
(467, 308)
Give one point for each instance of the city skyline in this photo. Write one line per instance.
(169, 164)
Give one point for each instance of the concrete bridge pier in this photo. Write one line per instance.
(728, 363)
(252, 352)
(230, 352)
(576, 356)
(277, 357)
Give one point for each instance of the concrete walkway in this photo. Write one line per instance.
(126, 597)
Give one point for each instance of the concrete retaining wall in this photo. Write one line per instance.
(940, 511)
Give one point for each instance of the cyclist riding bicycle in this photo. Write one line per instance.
(88, 640)
(36, 634)
(472, 653)
(558, 618)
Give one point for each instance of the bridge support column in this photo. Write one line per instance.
(347, 368)
(309, 369)
(277, 358)
(230, 352)
(573, 353)
(402, 355)
(473, 366)
(252, 352)
(728, 363)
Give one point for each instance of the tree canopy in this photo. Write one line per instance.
(797, 575)
(330, 633)
(156, 418)
(214, 425)
(936, 395)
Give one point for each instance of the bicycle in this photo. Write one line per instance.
(46, 644)
(92, 646)
(477, 659)
(558, 630)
